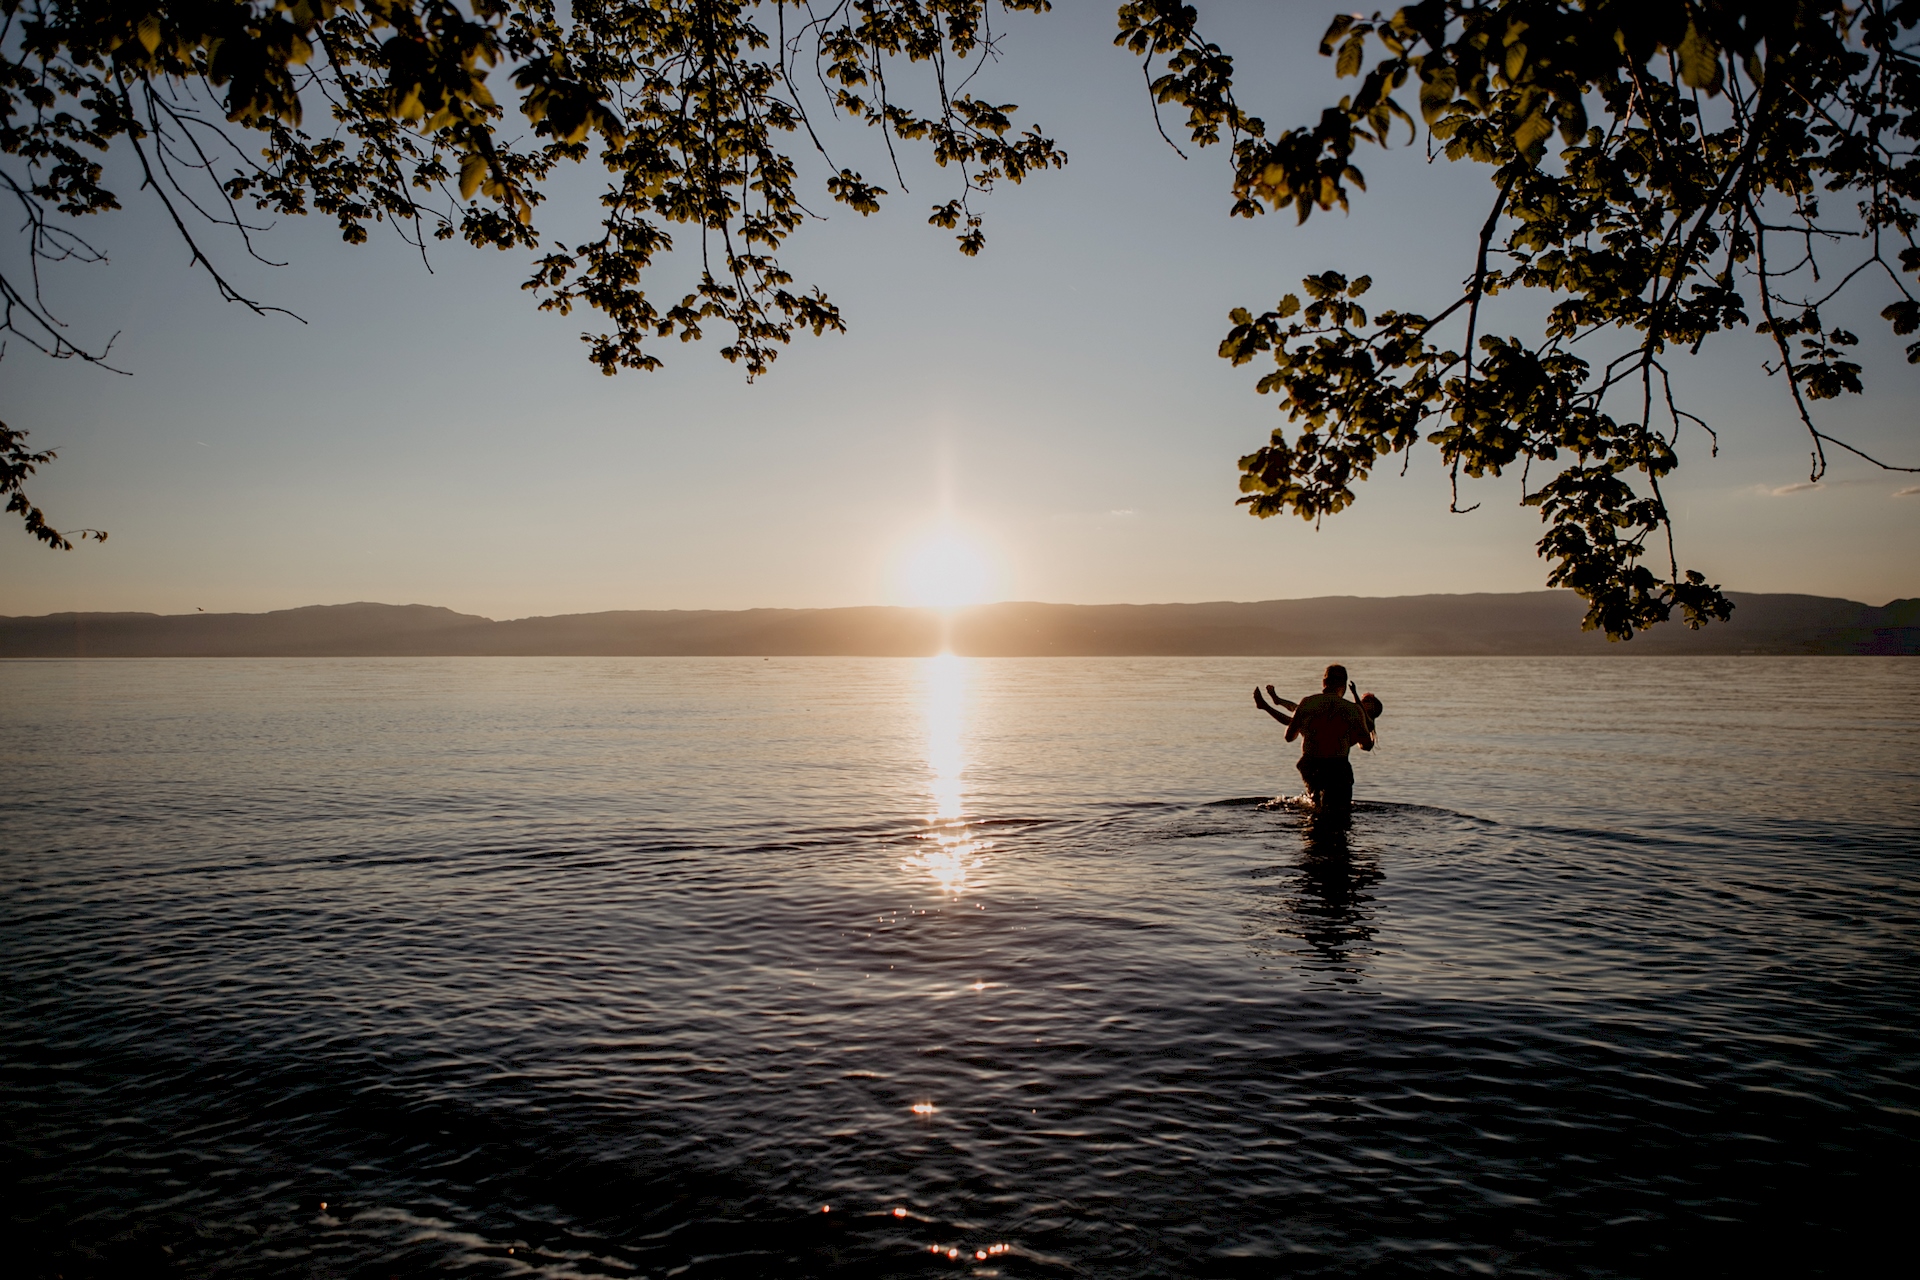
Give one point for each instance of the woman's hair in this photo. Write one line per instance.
(1373, 705)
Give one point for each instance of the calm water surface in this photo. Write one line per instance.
(584, 967)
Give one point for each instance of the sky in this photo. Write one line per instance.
(1048, 421)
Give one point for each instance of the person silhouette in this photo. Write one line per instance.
(1329, 726)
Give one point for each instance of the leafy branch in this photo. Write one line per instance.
(384, 111)
(17, 462)
(1691, 137)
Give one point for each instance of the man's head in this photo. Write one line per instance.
(1373, 706)
(1335, 680)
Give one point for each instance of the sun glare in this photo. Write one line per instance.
(945, 572)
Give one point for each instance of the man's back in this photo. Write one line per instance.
(1329, 725)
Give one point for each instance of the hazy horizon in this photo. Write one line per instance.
(881, 604)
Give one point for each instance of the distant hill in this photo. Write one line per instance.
(1536, 622)
(325, 630)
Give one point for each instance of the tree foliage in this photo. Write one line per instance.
(17, 462)
(1660, 173)
(370, 111)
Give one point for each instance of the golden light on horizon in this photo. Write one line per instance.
(946, 571)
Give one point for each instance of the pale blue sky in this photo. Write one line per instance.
(431, 438)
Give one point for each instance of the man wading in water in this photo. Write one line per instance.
(1329, 726)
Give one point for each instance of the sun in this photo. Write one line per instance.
(945, 572)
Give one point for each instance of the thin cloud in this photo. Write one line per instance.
(1785, 489)
(1911, 491)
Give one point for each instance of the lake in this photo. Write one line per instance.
(740, 967)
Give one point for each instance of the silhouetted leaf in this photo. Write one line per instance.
(1643, 232)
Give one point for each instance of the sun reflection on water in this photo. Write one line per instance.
(948, 851)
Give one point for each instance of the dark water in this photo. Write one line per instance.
(623, 967)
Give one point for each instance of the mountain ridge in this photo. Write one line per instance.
(1534, 623)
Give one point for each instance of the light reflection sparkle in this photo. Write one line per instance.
(948, 850)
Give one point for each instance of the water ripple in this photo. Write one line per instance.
(555, 998)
